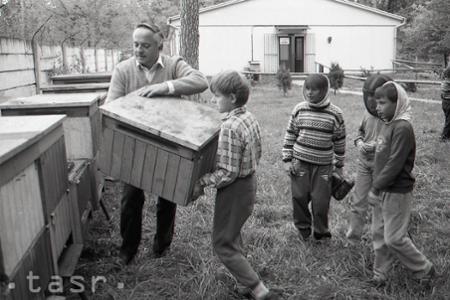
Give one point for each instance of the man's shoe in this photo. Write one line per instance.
(322, 236)
(126, 257)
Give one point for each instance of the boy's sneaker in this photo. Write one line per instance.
(427, 277)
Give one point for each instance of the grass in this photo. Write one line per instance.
(297, 269)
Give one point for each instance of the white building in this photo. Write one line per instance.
(303, 35)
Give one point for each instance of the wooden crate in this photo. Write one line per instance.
(80, 198)
(32, 182)
(162, 145)
(81, 78)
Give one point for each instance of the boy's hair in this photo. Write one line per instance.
(446, 72)
(387, 90)
(318, 81)
(231, 82)
(372, 83)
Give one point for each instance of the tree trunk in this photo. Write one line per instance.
(189, 38)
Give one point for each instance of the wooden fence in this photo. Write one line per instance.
(17, 72)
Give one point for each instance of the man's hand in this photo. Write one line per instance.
(287, 166)
(198, 191)
(373, 197)
(158, 89)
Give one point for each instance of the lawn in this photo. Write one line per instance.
(297, 269)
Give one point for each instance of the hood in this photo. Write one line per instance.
(370, 85)
(403, 109)
(322, 103)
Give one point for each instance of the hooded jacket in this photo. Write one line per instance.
(315, 133)
(396, 150)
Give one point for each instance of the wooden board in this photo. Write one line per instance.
(182, 122)
(75, 88)
(21, 216)
(18, 133)
(81, 78)
(53, 101)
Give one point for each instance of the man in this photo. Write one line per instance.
(150, 73)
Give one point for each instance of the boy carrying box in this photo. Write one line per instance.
(393, 183)
(238, 154)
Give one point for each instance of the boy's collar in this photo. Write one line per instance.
(234, 112)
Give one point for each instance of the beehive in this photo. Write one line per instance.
(162, 145)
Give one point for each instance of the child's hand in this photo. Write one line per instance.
(373, 198)
(369, 147)
(198, 191)
(287, 166)
(339, 171)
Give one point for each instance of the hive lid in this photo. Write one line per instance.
(52, 100)
(184, 122)
(17, 133)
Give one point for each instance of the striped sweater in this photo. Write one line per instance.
(315, 135)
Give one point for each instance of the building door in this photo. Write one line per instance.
(291, 52)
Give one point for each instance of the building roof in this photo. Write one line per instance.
(345, 2)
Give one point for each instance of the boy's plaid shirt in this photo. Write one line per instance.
(239, 149)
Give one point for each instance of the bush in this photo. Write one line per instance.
(336, 76)
(284, 80)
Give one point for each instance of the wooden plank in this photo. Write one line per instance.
(69, 260)
(75, 88)
(81, 78)
(138, 164)
(116, 162)
(16, 78)
(184, 178)
(78, 137)
(127, 159)
(170, 180)
(162, 158)
(149, 168)
(106, 151)
(61, 225)
(15, 62)
(63, 100)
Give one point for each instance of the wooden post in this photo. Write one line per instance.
(36, 65)
(105, 54)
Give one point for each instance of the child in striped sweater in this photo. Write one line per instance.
(314, 144)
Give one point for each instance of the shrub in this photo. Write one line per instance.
(336, 76)
(284, 80)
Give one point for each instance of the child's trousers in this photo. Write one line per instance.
(311, 183)
(359, 205)
(390, 220)
(234, 205)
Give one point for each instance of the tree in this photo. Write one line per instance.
(428, 34)
(189, 35)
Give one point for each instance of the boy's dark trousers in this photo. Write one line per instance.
(311, 183)
(446, 108)
(234, 204)
(131, 221)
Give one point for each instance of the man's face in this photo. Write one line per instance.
(145, 46)
(386, 108)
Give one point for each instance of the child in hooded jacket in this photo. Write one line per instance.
(365, 142)
(445, 96)
(393, 183)
(314, 143)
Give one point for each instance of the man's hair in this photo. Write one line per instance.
(446, 72)
(155, 30)
(231, 82)
(316, 81)
(387, 90)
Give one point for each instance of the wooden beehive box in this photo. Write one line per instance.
(33, 209)
(162, 145)
(82, 78)
(81, 128)
(99, 87)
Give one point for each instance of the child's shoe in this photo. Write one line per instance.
(427, 277)
(305, 233)
(377, 281)
(322, 236)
